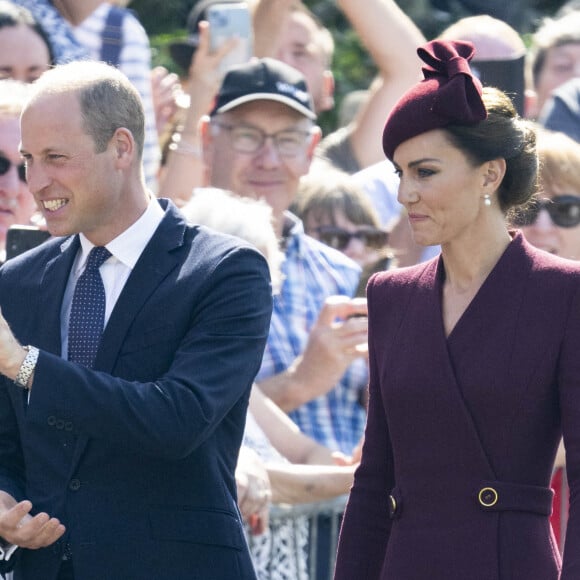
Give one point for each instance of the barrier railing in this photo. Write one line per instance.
(331, 509)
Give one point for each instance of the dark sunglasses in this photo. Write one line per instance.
(564, 211)
(5, 165)
(340, 238)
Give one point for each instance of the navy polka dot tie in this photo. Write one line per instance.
(87, 313)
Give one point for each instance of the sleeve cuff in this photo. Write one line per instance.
(6, 550)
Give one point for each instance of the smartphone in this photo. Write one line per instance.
(19, 239)
(231, 20)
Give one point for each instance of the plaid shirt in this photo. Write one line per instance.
(311, 272)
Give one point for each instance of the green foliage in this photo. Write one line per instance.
(162, 17)
(353, 68)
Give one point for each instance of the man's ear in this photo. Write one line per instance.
(124, 147)
(316, 137)
(204, 128)
(531, 104)
(327, 101)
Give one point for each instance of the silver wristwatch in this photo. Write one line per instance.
(27, 367)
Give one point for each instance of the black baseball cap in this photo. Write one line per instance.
(182, 50)
(264, 79)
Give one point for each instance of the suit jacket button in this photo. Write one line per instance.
(68, 426)
(488, 497)
(75, 484)
(51, 420)
(60, 424)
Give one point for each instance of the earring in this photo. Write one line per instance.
(487, 200)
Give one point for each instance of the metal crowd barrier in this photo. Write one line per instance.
(332, 509)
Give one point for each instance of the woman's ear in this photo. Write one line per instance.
(493, 175)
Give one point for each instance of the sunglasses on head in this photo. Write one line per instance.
(5, 165)
(339, 238)
(564, 211)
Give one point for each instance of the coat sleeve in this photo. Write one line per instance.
(366, 525)
(210, 370)
(569, 385)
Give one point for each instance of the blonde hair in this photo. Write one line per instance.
(559, 161)
(13, 96)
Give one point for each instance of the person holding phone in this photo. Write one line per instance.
(216, 40)
(17, 205)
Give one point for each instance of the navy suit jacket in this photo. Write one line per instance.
(450, 416)
(137, 456)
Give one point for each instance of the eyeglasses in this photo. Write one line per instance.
(564, 211)
(248, 139)
(5, 165)
(340, 238)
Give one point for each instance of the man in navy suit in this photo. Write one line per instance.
(123, 468)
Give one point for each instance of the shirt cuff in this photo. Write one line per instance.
(6, 550)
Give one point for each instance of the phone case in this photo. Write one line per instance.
(19, 239)
(231, 20)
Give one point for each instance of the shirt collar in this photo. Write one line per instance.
(128, 246)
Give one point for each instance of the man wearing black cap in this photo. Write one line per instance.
(258, 142)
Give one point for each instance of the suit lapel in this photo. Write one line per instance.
(53, 283)
(158, 259)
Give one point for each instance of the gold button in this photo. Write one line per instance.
(488, 497)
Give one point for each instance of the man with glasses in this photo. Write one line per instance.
(258, 142)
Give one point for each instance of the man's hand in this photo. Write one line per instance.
(166, 90)
(19, 528)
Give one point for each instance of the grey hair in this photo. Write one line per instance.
(247, 218)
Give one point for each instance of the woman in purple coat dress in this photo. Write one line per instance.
(474, 356)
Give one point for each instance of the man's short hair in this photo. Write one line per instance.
(108, 100)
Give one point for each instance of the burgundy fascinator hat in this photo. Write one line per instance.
(449, 94)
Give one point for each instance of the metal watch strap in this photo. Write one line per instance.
(27, 367)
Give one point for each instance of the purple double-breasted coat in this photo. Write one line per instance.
(462, 430)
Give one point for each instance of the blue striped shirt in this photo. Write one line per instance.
(135, 63)
(311, 272)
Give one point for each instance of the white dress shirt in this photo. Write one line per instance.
(125, 250)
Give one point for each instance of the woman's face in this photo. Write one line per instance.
(547, 235)
(361, 243)
(24, 55)
(16, 202)
(440, 189)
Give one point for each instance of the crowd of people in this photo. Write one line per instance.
(210, 351)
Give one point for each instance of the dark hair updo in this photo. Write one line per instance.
(503, 134)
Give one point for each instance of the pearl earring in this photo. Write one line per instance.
(486, 200)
